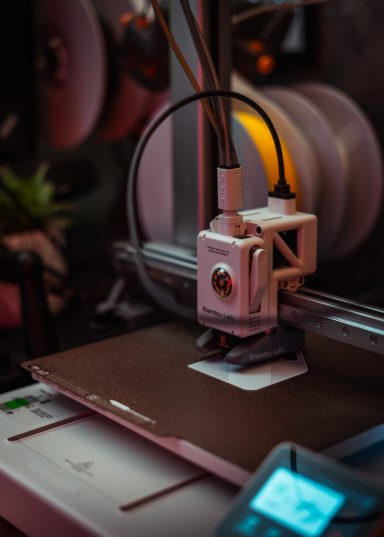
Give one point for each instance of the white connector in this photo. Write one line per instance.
(230, 201)
(281, 206)
(232, 226)
(229, 189)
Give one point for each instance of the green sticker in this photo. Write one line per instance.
(16, 403)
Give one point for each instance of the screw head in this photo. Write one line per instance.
(374, 340)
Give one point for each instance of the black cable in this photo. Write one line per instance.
(158, 294)
(212, 81)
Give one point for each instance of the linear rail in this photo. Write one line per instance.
(314, 311)
(334, 317)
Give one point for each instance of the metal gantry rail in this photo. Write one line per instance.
(334, 317)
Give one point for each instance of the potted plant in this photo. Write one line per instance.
(32, 219)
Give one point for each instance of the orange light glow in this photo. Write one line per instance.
(126, 18)
(255, 46)
(142, 22)
(265, 64)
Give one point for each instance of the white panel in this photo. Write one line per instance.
(115, 461)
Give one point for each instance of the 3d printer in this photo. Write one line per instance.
(255, 259)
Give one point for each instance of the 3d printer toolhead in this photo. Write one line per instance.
(239, 276)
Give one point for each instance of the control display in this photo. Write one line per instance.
(297, 502)
(299, 493)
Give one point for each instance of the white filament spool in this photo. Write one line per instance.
(360, 149)
(73, 91)
(329, 162)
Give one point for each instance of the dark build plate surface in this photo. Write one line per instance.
(148, 372)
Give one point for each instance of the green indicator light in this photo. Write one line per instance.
(16, 403)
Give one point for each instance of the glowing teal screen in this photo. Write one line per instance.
(298, 503)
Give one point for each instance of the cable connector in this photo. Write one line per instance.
(230, 200)
(281, 200)
(229, 189)
(232, 226)
(282, 191)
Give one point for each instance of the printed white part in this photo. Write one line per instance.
(290, 242)
(286, 251)
(258, 279)
(252, 377)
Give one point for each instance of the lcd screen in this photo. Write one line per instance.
(298, 503)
